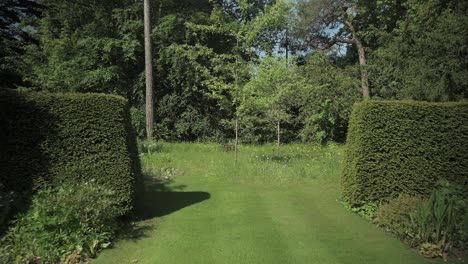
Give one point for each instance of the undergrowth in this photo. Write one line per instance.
(66, 224)
(433, 225)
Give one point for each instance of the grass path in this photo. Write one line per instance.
(200, 217)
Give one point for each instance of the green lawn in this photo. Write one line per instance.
(264, 209)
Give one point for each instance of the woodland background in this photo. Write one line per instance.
(294, 65)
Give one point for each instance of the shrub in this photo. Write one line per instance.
(396, 147)
(138, 121)
(76, 137)
(433, 225)
(320, 126)
(366, 210)
(395, 216)
(442, 222)
(73, 219)
(150, 147)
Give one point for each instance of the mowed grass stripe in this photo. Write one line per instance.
(298, 228)
(230, 227)
(178, 237)
(182, 236)
(245, 232)
(317, 228)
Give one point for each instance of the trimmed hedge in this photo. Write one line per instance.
(405, 147)
(56, 137)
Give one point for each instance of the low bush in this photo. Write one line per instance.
(320, 127)
(395, 216)
(433, 225)
(442, 222)
(366, 210)
(396, 147)
(150, 147)
(138, 121)
(70, 221)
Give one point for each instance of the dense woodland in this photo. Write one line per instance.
(293, 66)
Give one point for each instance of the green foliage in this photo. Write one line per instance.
(78, 137)
(425, 56)
(312, 102)
(429, 250)
(13, 37)
(275, 157)
(442, 222)
(182, 117)
(138, 118)
(415, 49)
(86, 46)
(320, 126)
(78, 218)
(326, 99)
(271, 86)
(202, 49)
(366, 210)
(269, 95)
(149, 147)
(395, 216)
(319, 22)
(256, 128)
(399, 147)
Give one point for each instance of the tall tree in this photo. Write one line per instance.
(148, 70)
(425, 57)
(202, 53)
(326, 99)
(87, 46)
(324, 23)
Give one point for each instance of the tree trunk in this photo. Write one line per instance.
(278, 132)
(362, 59)
(236, 140)
(363, 68)
(148, 70)
(287, 46)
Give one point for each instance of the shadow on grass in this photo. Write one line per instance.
(160, 199)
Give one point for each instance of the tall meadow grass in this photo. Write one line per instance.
(262, 164)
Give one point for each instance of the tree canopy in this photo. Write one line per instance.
(297, 64)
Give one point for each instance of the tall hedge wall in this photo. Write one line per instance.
(398, 147)
(54, 137)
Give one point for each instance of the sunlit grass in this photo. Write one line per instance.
(295, 163)
(271, 206)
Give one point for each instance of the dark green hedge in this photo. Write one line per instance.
(55, 137)
(398, 147)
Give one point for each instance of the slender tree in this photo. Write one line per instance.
(149, 70)
(269, 92)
